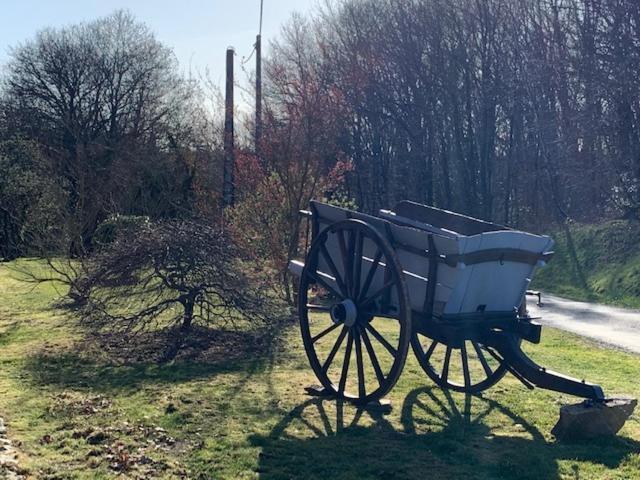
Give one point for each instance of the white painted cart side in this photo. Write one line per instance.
(492, 286)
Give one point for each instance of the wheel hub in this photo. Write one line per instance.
(344, 312)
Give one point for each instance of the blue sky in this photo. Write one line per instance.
(199, 31)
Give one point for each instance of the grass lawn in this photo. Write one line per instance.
(76, 413)
(603, 266)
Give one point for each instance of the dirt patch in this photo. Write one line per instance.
(130, 448)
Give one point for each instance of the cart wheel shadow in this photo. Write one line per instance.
(440, 435)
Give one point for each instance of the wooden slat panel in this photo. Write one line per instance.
(445, 219)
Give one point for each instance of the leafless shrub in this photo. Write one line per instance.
(172, 275)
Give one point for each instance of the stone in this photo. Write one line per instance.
(8, 462)
(9, 468)
(96, 438)
(591, 419)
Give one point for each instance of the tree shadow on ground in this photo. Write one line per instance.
(108, 363)
(440, 437)
(7, 332)
(199, 344)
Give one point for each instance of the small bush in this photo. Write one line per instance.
(173, 274)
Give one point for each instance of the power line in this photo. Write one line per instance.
(245, 60)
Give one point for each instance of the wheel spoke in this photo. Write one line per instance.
(351, 252)
(483, 359)
(445, 368)
(318, 279)
(372, 357)
(362, 390)
(379, 292)
(357, 265)
(334, 350)
(371, 274)
(325, 332)
(345, 365)
(430, 350)
(382, 340)
(465, 365)
(334, 269)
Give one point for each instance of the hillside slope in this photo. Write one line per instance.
(603, 266)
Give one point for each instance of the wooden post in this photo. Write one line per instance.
(229, 154)
(258, 134)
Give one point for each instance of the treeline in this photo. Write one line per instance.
(522, 111)
(519, 111)
(96, 120)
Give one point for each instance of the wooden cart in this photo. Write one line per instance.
(450, 285)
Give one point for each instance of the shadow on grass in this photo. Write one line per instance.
(6, 334)
(107, 364)
(440, 438)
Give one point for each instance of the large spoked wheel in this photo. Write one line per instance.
(354, 312)
(470, 368)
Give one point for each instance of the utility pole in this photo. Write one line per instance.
(229, 154)
(258, 134)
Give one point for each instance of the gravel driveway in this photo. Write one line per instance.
(619, 327)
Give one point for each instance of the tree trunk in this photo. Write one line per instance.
(188, 305)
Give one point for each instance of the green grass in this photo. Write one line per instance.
(250, 418)
(607, 269)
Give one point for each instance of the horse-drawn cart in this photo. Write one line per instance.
(451, 286)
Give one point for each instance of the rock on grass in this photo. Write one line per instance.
(593, 419)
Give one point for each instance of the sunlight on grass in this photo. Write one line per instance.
(93, 417)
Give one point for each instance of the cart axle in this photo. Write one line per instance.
(344, 312)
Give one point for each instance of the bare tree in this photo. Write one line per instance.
(107, 106)
(523, 112)
(174, 273)
(301, 122)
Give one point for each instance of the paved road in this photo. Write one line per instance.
(619, 327)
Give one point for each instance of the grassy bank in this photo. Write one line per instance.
(603, 265)
(79, 412)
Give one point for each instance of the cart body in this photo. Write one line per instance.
(456, 280)
(488, 269)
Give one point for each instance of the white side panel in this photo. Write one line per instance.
(417, 287)
(492, 286)
(495, 286)
(330, 213)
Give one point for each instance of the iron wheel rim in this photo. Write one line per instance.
(355, 287)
